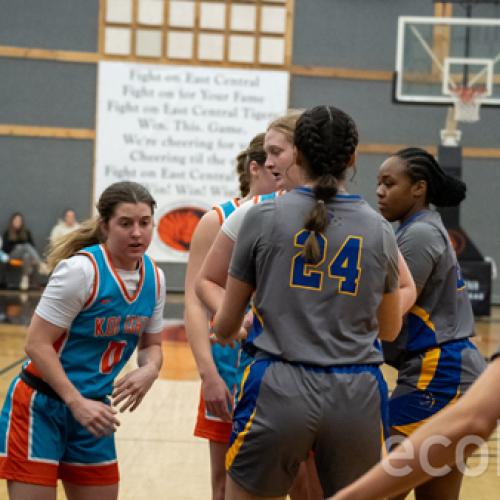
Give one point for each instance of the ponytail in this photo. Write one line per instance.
(327, 139)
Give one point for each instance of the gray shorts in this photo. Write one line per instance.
(285, 411)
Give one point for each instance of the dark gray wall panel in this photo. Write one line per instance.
(47, 93)
(356, 34)
(174, 275)
(381, 121)
(479, 212)
(42, 177)
(50, 24)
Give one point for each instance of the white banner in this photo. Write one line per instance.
(177, 130)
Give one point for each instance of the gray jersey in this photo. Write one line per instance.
(442, 311)
(324, 314)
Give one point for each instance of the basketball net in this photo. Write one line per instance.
(467, 101)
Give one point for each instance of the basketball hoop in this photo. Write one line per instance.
(467, 101)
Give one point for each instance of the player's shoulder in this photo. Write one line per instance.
(423, 230)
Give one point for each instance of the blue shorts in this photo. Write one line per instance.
(431, 380)
(40, 441)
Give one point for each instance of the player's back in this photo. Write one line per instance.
(325, 313)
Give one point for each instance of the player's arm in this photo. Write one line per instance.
(389, 316)
(390, 312)
(475, 414)
(131, 388)
(421, 246)
(407, 290)
(241, 281)
(98, 418)
(211, 280)
(215, 393)
(229, 317)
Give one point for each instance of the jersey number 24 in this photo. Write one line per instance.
(345, 265)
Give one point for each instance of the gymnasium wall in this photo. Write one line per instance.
(42, 176)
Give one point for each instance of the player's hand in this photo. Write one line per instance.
(97, 417)
(216, 396)
(131, 389)
(248, 321)
(231, 341)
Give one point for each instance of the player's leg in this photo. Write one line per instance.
(273, 430)
(210, 427)
(395, 433)
(79, 492)
(306, 485)
(31, 426)
(26, 491)
(353, 425)
(441, 488)
(235, 492)
(218, 469)
(89, 467)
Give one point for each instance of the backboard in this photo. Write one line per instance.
(438, 57)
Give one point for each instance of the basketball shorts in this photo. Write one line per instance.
(431, 380)
(40, 442)
(285, 410)
(231, 363)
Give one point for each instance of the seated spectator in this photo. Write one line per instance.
(17, 242)
(4, 257)
(65, 225)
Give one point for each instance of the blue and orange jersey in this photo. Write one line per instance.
(104, 334)
(266, 197)
(224, 210)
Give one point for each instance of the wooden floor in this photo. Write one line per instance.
(159, 457)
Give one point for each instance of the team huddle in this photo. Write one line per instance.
(295, 294)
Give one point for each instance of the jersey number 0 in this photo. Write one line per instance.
(112, 356)
(344, 266)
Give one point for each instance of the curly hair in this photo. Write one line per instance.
(443, 190)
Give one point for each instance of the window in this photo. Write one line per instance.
(252, 33)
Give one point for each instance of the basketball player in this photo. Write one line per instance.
(435, 358)
(220, 367)
(280, 160)
(324, 268)
(104, 298)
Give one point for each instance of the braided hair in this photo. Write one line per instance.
(443, 190)
(327, 139)
(254, 152)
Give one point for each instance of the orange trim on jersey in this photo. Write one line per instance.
(91, 474)
(95, 287)
(120, 281)
(220, 215)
